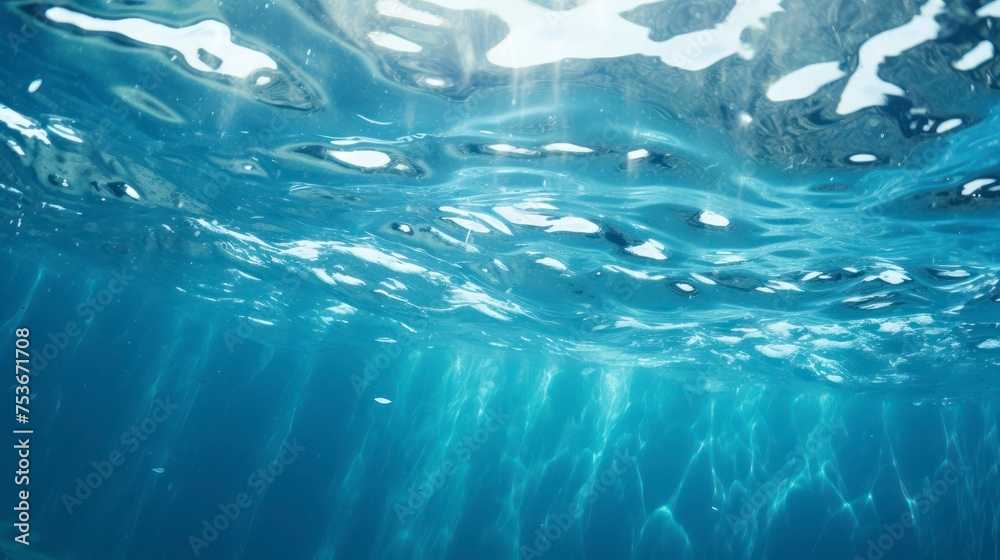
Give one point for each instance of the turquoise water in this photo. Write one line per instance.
(460, 279)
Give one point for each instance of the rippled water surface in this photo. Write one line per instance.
(524, 279)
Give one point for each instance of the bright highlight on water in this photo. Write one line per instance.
(514, 280)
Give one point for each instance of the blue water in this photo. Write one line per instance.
(454, 279)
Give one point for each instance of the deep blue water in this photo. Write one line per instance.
(458, 279)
